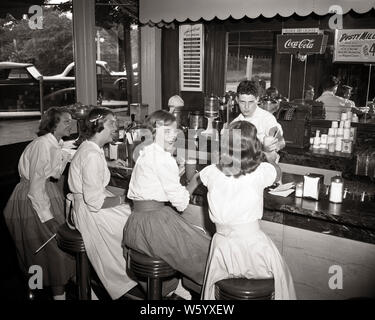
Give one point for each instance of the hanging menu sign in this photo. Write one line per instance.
(191, 57)
(354, 45)
(301, 43)
(300, 30)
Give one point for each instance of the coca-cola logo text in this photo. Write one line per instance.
(301, 44)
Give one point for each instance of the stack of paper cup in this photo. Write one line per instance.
(323, 141)
(316, 144)
(346, 133)
(331, 139)
(331, 135)
(339, 137)
(332, 146)
(350, 114)
(334, 126)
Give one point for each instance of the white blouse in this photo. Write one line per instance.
(89, 175)
(329, 99)
(263, 121)
(236, 200)
(43, 158)
(156, 177)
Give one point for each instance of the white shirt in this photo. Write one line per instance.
(236, 200)
(329, 99)
(101, 229)
(334, 105)
(43, 158)
(89, 175)
(263, 121)
(156, 177)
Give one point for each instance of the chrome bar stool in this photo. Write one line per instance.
(155, 270)
(245, 289)
(71, 241)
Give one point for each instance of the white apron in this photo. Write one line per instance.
(101, 229)
(102, 234)
(245, 251)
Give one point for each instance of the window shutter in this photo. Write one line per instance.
(191, 46)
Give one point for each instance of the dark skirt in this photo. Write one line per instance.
(159, 231)
(29, 233)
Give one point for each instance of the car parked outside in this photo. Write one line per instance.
(19, 89)
(111, 85)
(22, 85)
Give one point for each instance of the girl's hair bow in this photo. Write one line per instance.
(98, 117)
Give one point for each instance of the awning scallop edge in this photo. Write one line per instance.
(167, 11)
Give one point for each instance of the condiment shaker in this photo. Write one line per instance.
(336, 189)
(299, 190)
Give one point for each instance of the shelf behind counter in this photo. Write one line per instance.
(338, 161)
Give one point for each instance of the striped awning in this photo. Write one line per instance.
(159, 11)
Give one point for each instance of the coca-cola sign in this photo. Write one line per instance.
(302, 43)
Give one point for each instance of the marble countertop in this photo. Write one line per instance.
(351, 219)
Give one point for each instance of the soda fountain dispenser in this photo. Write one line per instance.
(211, 111)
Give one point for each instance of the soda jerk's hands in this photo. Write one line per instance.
(281, 144)
(274, 132)
(116, 163)
(272, 157)
(270, 144)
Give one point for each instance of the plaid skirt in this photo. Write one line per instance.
(29, 233)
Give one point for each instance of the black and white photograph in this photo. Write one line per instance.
(180, 157)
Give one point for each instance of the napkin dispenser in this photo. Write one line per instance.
(311, 186)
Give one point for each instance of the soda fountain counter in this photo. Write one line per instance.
(314, 237)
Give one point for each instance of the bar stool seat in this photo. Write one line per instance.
(71, 241)
(244, 289)
(154, 269)
(192, 286)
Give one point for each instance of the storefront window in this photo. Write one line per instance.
(252, 56)
(117, 53)
(355, 75)
(37, 69)
(31, 49)
(35, 51)
(249, 58)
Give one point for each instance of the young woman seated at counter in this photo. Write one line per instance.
(36, 207)
(235, 186)
(99, 215)
(154, 228)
